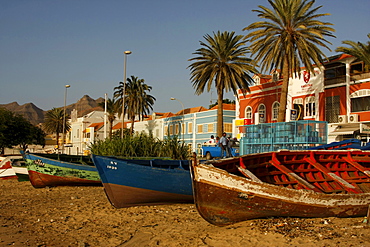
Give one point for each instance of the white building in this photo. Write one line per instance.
(84, 131)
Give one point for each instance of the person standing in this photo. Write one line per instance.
(224, 146)
(230, 144)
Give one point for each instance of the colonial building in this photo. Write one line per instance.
(84, 131)
(194, 125)
(339, 93)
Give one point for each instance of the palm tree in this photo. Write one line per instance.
(54, 122)
(118, 94)
(221, 60)
(112, 108)
(138, 102)
(358, 50)
(290, 36)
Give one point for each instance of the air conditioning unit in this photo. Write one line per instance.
(342, 119)
(353, 118)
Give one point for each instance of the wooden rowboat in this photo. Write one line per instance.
(135, 182)
(20, 168)
(6, 169)
(320, 183)
(61, 170)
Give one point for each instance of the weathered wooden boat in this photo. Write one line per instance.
(61, 170)
(20, 168)
(135, 182)
(320, 183)
(6, 169)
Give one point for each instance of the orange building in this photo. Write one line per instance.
(339, 94)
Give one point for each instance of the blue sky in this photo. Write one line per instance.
(46, 44)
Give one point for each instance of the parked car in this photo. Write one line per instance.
(210, 151)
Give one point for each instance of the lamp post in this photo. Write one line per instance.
(124, 89)
(105, 116)
(64, 117)
(183, 112)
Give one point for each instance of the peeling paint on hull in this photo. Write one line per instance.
(49, 172)
(223, 198)
(41, 180)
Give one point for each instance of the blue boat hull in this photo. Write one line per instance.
(144, 182)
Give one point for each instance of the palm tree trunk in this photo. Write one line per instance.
(220, 112)
(58, 140)
(284, 91)
(132, 124)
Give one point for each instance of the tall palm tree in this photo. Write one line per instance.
(112, 108)
(138, 101)
(357, 49)
(118, 94)
(221, 60)
(54, 122)
(289, 36)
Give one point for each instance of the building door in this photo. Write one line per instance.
(332, 107)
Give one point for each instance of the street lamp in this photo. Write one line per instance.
(183, 112)
(64, 117)
(124, 89)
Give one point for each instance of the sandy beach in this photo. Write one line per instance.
(83, 216)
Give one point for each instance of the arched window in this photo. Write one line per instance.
(248, 112)
(262, 113)
(275, 110)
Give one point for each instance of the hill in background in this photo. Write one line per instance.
(36, 115)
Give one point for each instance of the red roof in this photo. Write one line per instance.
(225, 107)
(119, 126)
(97, 126)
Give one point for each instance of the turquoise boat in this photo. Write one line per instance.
(61, 170)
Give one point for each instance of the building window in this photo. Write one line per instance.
(200, 128)
(310, 107)
(298, 106)
(166, 133)
(177, 132)
(335, 70)
(183, 128)
(358, 67)
(248, 112)
(228, 127)
(360, 100)
(275, 110)
(190, 128)
(210, 128)
(171, 129)
(262, 113)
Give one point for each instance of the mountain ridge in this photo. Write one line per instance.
(36, 115)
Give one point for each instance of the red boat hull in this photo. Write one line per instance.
(220, 204)
(40, 180)
(283, 184)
